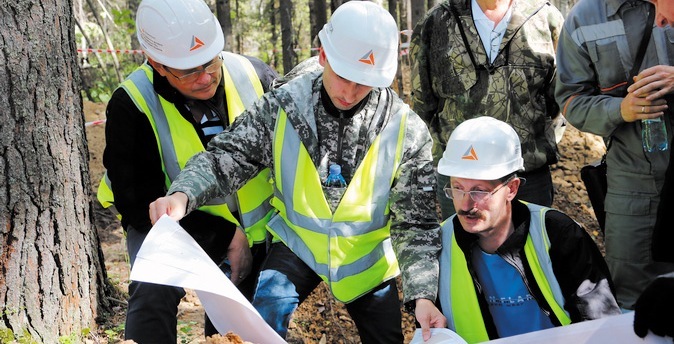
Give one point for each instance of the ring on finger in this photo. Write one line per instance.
(643, 109)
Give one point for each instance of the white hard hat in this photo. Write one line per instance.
(180, 34)
(361, 43)
(482, 148)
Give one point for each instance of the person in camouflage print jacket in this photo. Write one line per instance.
(234, 157)
(330, 135)
(453, 80)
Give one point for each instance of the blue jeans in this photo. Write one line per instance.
(285, 282)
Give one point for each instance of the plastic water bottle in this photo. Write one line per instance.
(335, 178)
(654, 135)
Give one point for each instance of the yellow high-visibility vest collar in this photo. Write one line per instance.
(351, 249)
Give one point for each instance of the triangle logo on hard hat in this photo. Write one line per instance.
(196, 43)
(368, 58)
(470, 154)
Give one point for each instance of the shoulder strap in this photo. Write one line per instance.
(642, 46)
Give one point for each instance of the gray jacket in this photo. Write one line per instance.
(594, 58)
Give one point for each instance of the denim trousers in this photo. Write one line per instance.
(285, 282)
(537, 189)
(152, 311)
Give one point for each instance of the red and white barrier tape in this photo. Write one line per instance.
(118, 51)
(100, 121)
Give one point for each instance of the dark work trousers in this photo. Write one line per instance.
(537, 189)
(152, 311)
(286, 281)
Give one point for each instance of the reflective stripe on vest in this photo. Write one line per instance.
(242, 89)
(457, 292)
(351, 249)
(178, 141)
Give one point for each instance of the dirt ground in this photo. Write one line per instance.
(320, 319)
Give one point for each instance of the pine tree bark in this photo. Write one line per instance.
(52, 277)
(287, 35)
(318, 16)
(223, 10)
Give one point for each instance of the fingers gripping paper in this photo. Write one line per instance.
(170, 256)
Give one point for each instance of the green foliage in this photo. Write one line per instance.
(184, 331)
(124, 19)
(98, 70)
(6, 335)
(115, 333)
(251, 28)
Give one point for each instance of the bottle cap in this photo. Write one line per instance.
(335, 169)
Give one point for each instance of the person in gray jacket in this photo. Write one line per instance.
(595, 55)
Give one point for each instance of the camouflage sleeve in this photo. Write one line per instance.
(232, 157)
(415, 231)
(424, 100)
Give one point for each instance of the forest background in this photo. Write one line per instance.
(63, 273)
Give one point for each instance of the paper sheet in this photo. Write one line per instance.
(170, 256)
(611, 330)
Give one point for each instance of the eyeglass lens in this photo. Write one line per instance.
(210, 69)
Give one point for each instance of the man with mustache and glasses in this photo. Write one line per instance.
(166, 111)
(509, 267)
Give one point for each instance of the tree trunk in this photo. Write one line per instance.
(393, 9)
(287, 35)
(52, 277)
(336, 3)
(132, 6)
(318, 16)
(223, 10)
(417, 10)
(274, 33)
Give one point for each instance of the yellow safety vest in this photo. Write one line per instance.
(351, 248)
(457, 292)
(177, 141)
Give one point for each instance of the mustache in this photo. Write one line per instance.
(471, 212)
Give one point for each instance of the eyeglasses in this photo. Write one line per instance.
(476, 195)
(190, 77)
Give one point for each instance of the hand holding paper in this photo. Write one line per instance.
(170, 256)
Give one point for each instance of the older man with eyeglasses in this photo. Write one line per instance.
(166, 111)
(509, 267)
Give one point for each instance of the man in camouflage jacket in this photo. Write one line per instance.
(453, 80)
(332, 129)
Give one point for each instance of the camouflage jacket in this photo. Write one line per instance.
(452, 79)
(239, 152)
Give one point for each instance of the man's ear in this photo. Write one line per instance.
(513, 186)
(321, 57)
(156, 66)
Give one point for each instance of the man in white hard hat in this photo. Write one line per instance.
(509, 267)
(493, 57)
(186, 92)
(348, 237)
